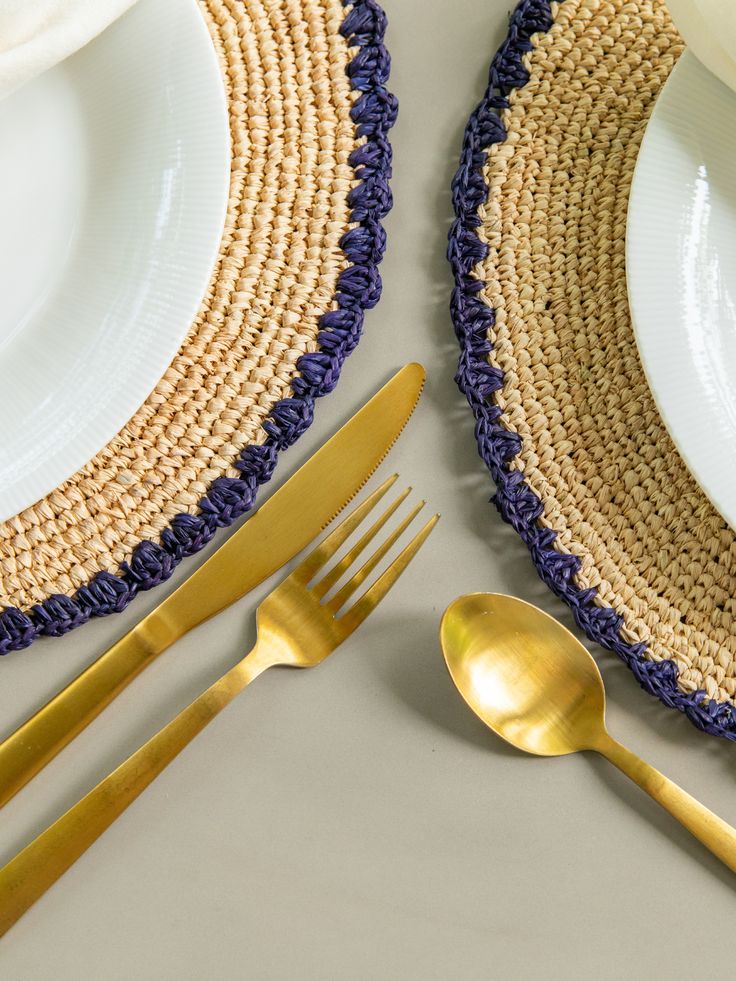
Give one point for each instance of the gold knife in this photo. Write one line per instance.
(295, 514)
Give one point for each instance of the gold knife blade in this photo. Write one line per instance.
(275, 533)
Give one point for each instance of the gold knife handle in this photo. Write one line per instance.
(27, 876)
(37, 741)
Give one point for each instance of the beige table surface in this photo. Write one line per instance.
(355, 822)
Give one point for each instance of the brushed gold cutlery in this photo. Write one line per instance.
(299, 624)
(292, 517)
(526, 676)
(534, 684)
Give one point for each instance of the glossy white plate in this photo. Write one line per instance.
(114, 176)
(681, 270)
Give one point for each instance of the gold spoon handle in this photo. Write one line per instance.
(707, 827)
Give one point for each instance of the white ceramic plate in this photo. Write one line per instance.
(114, 176)
(681, 270)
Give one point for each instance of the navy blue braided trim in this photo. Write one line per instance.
(358, 289)
(478, 380)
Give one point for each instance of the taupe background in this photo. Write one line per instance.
(356, 822)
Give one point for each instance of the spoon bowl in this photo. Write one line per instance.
(534, 684)
(525, 675)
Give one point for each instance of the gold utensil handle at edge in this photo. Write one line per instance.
(27, 876)
(38, 740)
(708, 828)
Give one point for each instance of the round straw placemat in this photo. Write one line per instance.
(309, 116)
(584, 468)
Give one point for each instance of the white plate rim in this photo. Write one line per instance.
(36, 473)
(685, 397)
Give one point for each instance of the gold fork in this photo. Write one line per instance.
(296, 627)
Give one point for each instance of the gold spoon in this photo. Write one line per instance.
(535, 685)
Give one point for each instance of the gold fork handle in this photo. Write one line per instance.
(706, 826)
(27, 876)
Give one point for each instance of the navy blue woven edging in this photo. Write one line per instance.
(478, 380)
(358, 289)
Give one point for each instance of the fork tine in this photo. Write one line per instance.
(340, 599)
(373, 596)
(340, 568)
(306, 569)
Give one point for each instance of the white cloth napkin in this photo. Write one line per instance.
(708, 27)
(36, 34)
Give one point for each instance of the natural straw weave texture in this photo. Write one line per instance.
(584, 467)
(309, 115)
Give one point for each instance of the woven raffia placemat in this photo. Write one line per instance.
(585, 470)
(309, 116)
